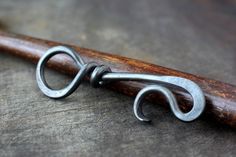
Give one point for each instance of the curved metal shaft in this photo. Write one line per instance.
(192, 88)
(100, 74)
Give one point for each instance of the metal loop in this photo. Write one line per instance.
(101, 73)
(41, 78)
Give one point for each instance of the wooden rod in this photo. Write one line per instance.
(221, 97)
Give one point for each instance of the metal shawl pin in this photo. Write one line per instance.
(101, 74)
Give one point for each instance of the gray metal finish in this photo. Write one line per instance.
(100, 74)
(192, 36)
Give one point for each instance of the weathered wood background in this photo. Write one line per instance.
(193, 36)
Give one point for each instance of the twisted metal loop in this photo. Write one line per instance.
(100, 74)
(96, 76)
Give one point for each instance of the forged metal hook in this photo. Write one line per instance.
(100, 74)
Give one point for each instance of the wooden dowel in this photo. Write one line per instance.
(221, 97)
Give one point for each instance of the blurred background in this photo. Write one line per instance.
(193, 36)
(197, 36)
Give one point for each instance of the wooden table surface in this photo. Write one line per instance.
(198, 37)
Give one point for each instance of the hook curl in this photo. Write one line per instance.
(100, 74)
(147, 90)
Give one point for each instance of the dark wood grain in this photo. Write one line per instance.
(221, 97)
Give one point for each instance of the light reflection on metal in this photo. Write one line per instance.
(101, 74)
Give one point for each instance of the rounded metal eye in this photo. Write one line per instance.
(45, 88)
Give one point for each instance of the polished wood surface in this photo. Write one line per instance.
(221, 97)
